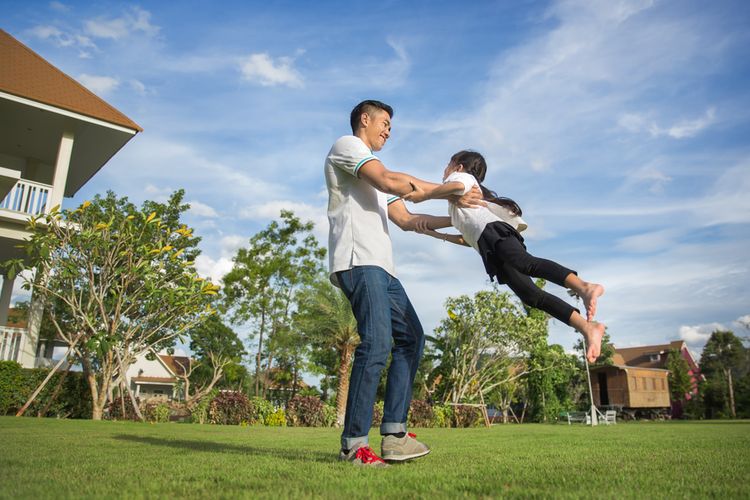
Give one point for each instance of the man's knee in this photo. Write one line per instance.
(375, 350)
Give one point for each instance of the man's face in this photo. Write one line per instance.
(378, 129)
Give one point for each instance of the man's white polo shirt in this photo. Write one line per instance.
(357, 212)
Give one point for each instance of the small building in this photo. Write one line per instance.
(157, 375)
(632, 387)
(638, 380)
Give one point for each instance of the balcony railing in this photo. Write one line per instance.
(11, 340)
(28, 197)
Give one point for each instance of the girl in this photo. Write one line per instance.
(493, 231)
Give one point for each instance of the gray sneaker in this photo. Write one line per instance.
(405, 448)
(362, 456)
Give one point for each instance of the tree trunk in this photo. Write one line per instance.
(36, 392)
(343, 387)
(731, 393)
(260, 349)
(126, 385)
(55, 393)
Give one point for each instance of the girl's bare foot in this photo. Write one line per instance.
(590, 292)
(593, 334)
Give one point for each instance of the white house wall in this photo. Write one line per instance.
(150, 368)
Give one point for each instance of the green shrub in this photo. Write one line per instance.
(72, 398)
(199, 412)
(377, 414)
(467, 416)
(276, 419)
(442, 416)
(262, 410)
(305, 411)
(329, 415)
(11, 387)
(114, 409)
(230, 408)
(156, 410)
(420, 414)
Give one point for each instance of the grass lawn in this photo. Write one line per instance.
(68, 458)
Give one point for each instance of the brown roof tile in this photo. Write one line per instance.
(25, 73)
(640, 356)
(178, 364)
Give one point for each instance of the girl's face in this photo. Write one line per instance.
(452, 167)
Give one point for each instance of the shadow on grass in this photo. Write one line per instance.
(214, 447)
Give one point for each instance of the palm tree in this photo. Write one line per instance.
(326, 320)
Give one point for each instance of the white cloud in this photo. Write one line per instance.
(138, 86)
(213, 269)
(201, 209)
(262, 69)
(698, 335)
(636, 123)
(649, 242)
(101, 85)
(136, 20)
(686, 128)
(59, 7)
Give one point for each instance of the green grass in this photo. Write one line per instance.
(66, 458)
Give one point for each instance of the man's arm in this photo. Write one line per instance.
(390, 182)
(407, 221)
(400, 184)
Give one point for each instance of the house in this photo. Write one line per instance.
(157, 375)
(638, 379)
(55, 135)
(655, 356)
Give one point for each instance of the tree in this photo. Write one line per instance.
(329, 327)
(479, 342)
(680, 384)
(123, 277)
(215, 346)
(261, 287)
(723, 356)
(550, 369)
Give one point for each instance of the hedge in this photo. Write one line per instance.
(73, 398)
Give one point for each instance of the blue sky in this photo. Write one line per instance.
(621, 127)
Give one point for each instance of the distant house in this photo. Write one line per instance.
(638, 380)
(158, 376)
(55, 135)
(655, 356)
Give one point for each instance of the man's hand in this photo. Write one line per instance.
(421, 224)
(417, 194)
(472, 199)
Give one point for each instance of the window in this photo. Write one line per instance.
(635, 383)
(654, 357)
(663, 385)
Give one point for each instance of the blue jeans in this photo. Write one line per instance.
(387, 324)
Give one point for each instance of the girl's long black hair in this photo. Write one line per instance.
(475, 165)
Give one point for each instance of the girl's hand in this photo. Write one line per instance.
(417, 195)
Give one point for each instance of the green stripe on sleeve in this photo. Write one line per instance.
(391, 199)
(362, 162)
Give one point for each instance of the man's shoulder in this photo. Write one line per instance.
(347, 142)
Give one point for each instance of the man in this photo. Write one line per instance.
(361, 264)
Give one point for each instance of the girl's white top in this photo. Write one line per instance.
(471, 221)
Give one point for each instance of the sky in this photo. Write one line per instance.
(622, 128)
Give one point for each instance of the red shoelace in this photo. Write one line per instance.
(411, 435)
(367, 456)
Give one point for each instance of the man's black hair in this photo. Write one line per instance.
(368, 106)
